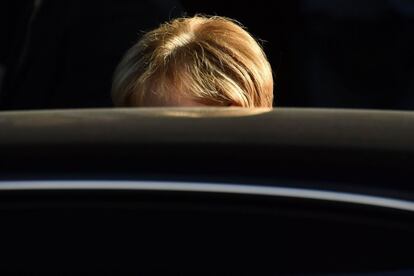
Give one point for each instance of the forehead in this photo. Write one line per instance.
(168, 99)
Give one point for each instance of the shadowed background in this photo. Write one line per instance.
(325, 53)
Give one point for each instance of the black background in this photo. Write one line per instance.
(325, 53)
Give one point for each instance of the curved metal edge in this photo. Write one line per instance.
(300, 193)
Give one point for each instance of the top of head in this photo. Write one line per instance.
(195, 61)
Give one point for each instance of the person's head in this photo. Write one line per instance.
(195, 61)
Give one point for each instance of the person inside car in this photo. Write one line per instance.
(195, 61)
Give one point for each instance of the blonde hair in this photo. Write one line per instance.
(212, 60)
